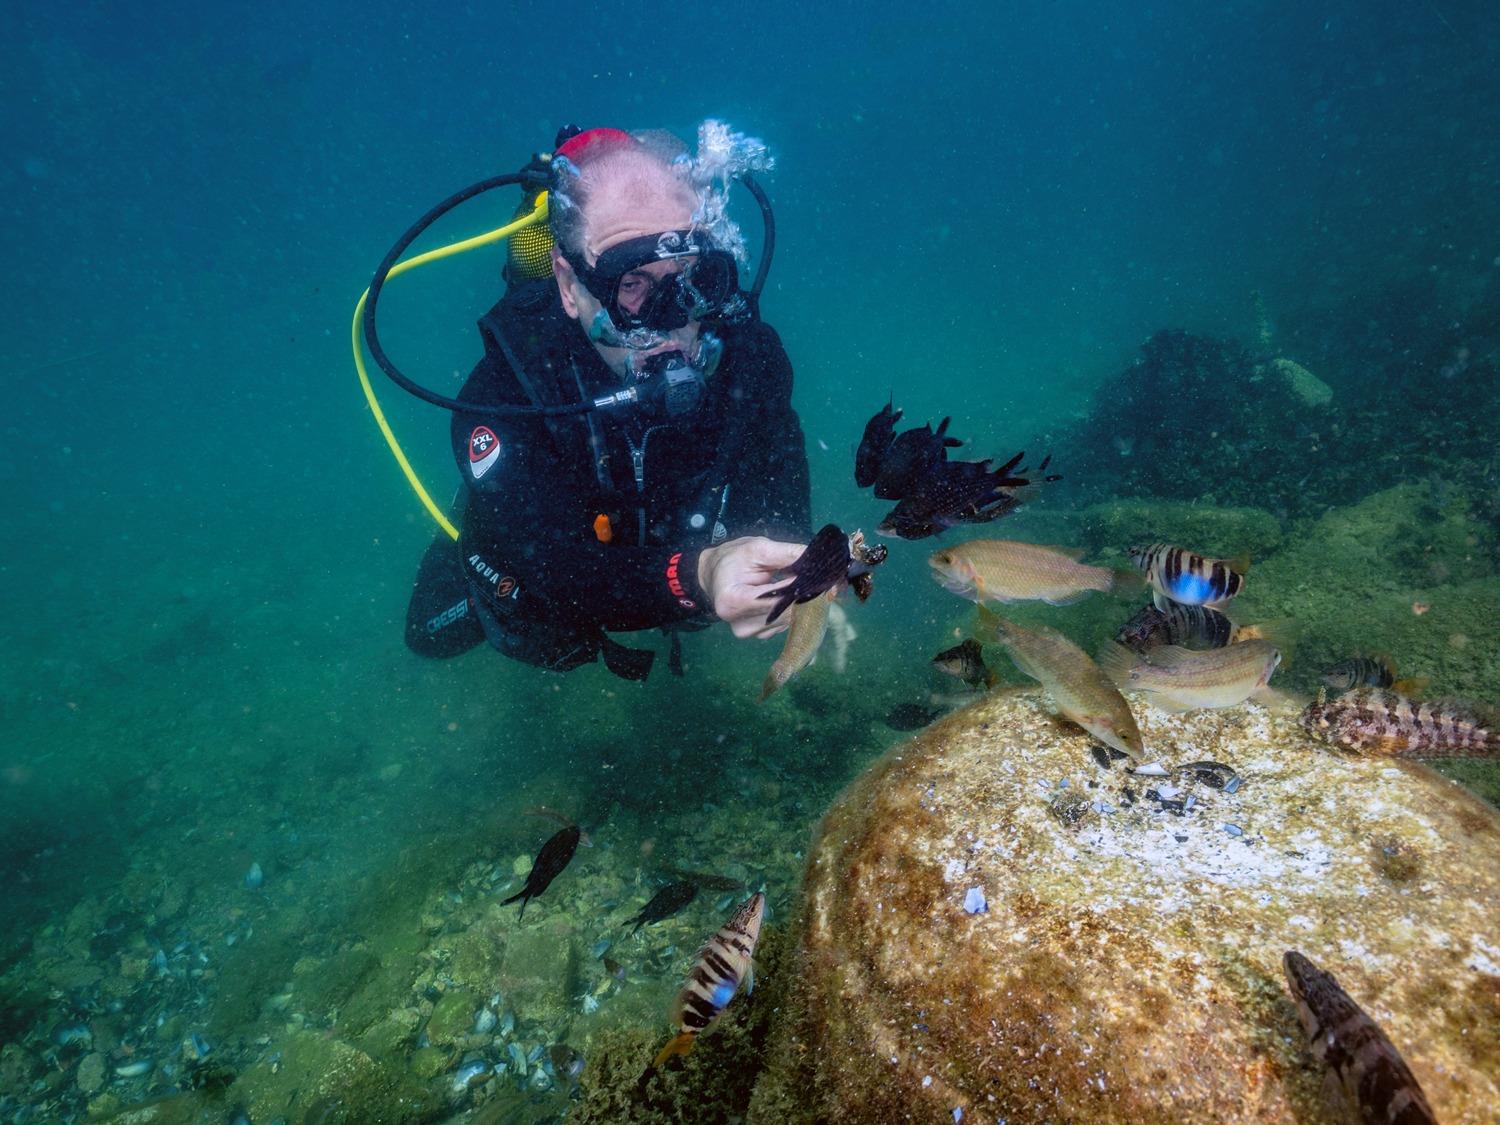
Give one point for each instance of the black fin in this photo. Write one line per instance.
(627, 663)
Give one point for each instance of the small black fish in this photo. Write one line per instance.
(953, 493)
(665, 903)
(880, 431)
(613, 967)
(912, 456)
(910, 716)
(548, 865)
(966, 661)
(817, 570)
(705, 879)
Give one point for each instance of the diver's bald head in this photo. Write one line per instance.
(618, 191)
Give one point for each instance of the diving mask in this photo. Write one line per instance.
(639, 308)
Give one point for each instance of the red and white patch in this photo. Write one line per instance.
(484, 451)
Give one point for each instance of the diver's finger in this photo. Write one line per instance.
(770, 555)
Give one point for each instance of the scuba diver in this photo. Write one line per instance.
(654, 475)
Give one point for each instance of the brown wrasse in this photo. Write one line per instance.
(725, 961)
(1004, 570)
(803, 639)
(1370, 671)
(1379, 721)
(1182, 680)
(1181, 576)
(1370, 1072)
(1081, 692)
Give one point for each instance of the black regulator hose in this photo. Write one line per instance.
(372, 338)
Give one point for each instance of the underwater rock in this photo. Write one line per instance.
(91, 1073)
(453, 1017)
(1302, 382)
(1129, 965)
(319, 1079)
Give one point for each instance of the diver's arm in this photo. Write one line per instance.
(770, 494)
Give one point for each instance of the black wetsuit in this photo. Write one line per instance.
(575, 525)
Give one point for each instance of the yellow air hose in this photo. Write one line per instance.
(538, 215)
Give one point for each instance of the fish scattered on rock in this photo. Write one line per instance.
(1373, 1076)
(1004, 570)
(1182, 576)
(725, 961)
(1082, 692)
(1380, 721)
(1182, 680)
(548, 865)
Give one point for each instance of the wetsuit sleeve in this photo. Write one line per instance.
(770, 495)
(528, 522)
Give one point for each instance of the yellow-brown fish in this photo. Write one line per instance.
(1182, 680)
(1385, 722)
(725, 961)
(1081, 692)
(803, 639)
(1003, 570)
(1181, 576)
(1371, 1073)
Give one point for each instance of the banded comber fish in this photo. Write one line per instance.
(1370, 1072)
(1386, 722)
(725, 961)
(1178, 575)
(1370, 671)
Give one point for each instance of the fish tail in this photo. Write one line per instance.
(1412, 685)
(679, 1045)
(768, 686)
(1116, 661)
(991, 627)
(1240, 564)
(519, 894)
(1125, 583)
(991, 678)
(1283, 632)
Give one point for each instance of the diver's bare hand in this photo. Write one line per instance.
(735, 574)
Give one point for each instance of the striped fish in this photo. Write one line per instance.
(1375, 1079)
(1178, 575)
(1385, 722)
(1371, 671)
(715, 977)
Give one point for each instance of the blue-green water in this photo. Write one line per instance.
(209, 551)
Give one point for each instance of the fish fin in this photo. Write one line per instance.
(1169, 703)
(1071, 599)
(991, 627)
(750, 977)
(991, 678)
(1170, 656)
(768, 686)
(679, 1045)
(1127, 583)
(518, 895)
(1161, 601)
(1116, 661)
(1282, 632)
(1412, 685)
(1074, 553)
(1240, 564)
(1278, 701)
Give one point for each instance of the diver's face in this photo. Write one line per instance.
(611, 220)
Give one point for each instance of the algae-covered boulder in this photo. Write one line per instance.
(1209, 530)
(312, 1078)
(995, 924)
